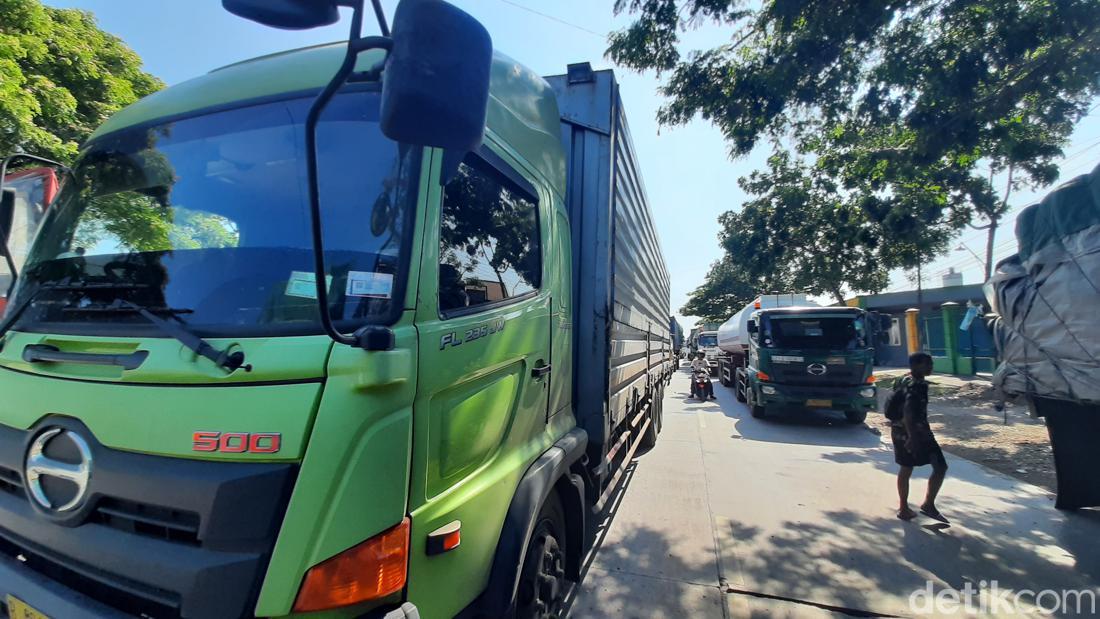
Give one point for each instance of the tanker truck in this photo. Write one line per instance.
(782, 351)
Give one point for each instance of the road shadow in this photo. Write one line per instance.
(821, 428)
(874, 563)
(602, 592)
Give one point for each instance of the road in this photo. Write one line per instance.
(730, 516)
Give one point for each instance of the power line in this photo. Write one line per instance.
(554, 19)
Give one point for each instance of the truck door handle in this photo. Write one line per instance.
(541, 370)
(44, 353)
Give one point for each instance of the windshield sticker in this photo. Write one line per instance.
(369, 284)
(304, 284)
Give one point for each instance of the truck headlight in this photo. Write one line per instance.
(767, 389)
(867, 392)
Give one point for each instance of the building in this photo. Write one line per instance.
(942, 314)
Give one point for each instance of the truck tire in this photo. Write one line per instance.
(660, 418)
(759, 411)
(739, 389)
(542, 583)
(722, 376)
(649, 438)
(855, 416)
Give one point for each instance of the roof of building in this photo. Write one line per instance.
(523, 111)
(929, 296)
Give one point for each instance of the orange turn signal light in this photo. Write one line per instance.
(762, 376)
(374, 569)
(871, 379)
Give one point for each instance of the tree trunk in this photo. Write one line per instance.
(839, 296)
(994, 219)
(989, 240)
(920, 287)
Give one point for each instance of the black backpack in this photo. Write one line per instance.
(895, 404)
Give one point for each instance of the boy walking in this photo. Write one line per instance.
(914, 443)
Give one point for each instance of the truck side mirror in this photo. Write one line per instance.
(286, 14)
(751, 327)
(435, 87)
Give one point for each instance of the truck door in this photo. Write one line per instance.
(483, 315)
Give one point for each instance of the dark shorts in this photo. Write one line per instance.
(926, 451)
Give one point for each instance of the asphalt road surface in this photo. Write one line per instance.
(793, 516)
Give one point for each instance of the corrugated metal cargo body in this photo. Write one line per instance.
(620, 281)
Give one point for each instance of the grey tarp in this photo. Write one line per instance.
(1047, 297)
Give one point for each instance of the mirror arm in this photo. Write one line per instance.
(367, 337)
(383, 27)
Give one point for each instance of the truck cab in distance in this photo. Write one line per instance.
(789, 354)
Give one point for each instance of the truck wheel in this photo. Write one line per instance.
(855, 416)
(758, 411)
(542, 583)
(722, 377)
(739, 389)
(649, 439)
(660, 419)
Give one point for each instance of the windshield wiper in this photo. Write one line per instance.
(230, 361)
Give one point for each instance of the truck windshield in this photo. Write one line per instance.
(206, 219)
(707, 341)
(813, 332)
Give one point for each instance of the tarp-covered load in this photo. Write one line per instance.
(1048, 298)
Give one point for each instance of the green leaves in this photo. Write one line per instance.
(925, 114)
(60, 78)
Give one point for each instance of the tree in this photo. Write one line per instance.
(799, 224)
(913, 108)
(60, 78)
(725, 290)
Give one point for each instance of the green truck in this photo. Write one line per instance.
(365, 329)
(782, 351)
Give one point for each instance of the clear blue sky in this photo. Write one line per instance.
(688, 175)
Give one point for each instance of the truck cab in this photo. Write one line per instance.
(808, 358)
(707, 343)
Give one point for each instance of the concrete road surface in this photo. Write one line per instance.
(793, 516)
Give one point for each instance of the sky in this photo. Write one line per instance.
(688, 174)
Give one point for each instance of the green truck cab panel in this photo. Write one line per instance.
(481, 413)
(157, 407)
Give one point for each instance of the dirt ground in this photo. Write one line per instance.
(966, 424)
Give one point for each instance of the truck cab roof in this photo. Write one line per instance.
(523, 110)
(810, 310)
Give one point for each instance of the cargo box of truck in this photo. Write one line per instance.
(622, 347)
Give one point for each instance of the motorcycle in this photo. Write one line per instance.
(700, 385)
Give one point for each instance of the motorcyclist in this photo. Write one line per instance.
(699, 364)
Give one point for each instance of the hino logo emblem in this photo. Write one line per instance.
(40, 468)
(817, 369)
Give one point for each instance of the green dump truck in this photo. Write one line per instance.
(270, 356)
(784, 352)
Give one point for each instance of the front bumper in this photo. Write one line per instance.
(54, 600)
(843, 398)
(46, 596)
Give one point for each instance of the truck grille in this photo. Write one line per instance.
(10, 481)
(162, 534)
(167, 524)
(124, 595)
(848, 374)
